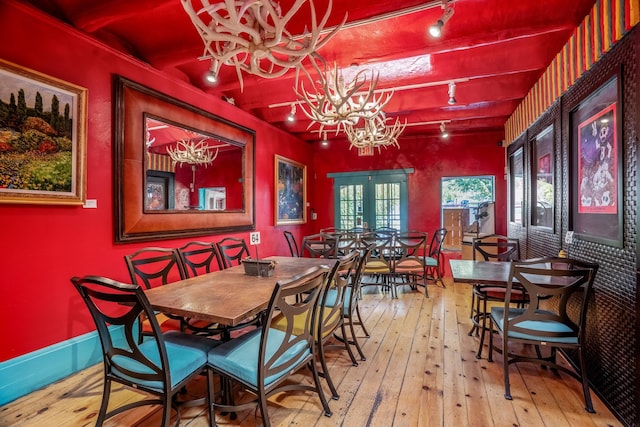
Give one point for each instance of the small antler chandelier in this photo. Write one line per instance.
(375, 133)
(339, 103)
(251, 35)
(192, 153)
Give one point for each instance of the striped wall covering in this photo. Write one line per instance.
(158, 162)
(608, 22)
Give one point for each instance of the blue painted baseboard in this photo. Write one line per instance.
(33, 371)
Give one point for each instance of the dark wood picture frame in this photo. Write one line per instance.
(290, 191)
(48, 122)
(132, 223)
(596, 164)
(516, 186)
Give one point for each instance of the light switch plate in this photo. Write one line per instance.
(568, 238)
(90, 204)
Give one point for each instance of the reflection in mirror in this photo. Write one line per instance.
(191, 170)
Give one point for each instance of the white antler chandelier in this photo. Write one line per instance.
(192, 153)
(251, 35)
(375, 133)
(339, 103)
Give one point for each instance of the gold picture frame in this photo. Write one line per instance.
(43, 138)
(290, 189)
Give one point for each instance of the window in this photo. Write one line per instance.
(371, 199)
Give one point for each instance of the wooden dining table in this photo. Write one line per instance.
(482, 272)
(228, 296)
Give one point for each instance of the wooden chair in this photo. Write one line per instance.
(262, 361)
(161, 365)
(493, 247)
(232, 251)
(291, 241)
(564, 286)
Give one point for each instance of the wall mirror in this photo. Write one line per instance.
(179, 171)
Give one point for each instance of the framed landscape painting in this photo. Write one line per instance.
(42, 138)
(290, 192)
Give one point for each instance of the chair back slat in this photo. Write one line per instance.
(544, 279)
(115, 308)
(200, 258)
(319, 246)
(232, 251)
(151, 267)
(496, 247)
(293, 245)
(331, 315)
(294, 310)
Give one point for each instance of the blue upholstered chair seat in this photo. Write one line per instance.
(186, 353)
(239, 357)
(332, 295)
(545, 327)
(430, 261)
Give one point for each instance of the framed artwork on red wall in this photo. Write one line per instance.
(290, 192)
(596, 166)
(43, 138)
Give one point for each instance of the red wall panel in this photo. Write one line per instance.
(42, 247)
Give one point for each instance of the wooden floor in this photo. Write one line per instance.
(420, 370)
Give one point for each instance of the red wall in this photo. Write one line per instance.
(43, 246)
(431, 158)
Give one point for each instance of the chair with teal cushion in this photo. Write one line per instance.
(232, 251)
(351, 309)
(559, 291)
(262, 360)
(434, 261)
(162, 365)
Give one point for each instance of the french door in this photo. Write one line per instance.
(371, 199)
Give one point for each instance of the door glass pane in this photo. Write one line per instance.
(351, 206)
(387, 205)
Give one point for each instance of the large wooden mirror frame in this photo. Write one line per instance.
(132, 102)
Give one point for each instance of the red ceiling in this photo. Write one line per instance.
(494, 50)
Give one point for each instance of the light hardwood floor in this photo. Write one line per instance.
(420, 370)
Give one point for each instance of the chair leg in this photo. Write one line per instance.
(585, 383)
(262, 404)
(490, 357)
(354, 339)
(316, 380)
(106, 392)
(505, 364)
(210, 394)
(361, 323)
(484, 327)
(325, 371)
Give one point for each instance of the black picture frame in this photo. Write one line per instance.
(543, 177)
(516, 186)
(595, 125)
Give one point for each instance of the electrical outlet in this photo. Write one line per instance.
(568, 238)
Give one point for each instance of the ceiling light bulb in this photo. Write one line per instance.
(443, 131)
(436, 29)
(324, 142)
(292, 115)
(211, 77)
(452, 93)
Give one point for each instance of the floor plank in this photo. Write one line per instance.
(420, 370)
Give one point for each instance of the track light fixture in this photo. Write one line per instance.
(443, 131)
(436, 29)
(291, 117)
(452, 93)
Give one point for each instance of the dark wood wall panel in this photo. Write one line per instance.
(612, 333)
